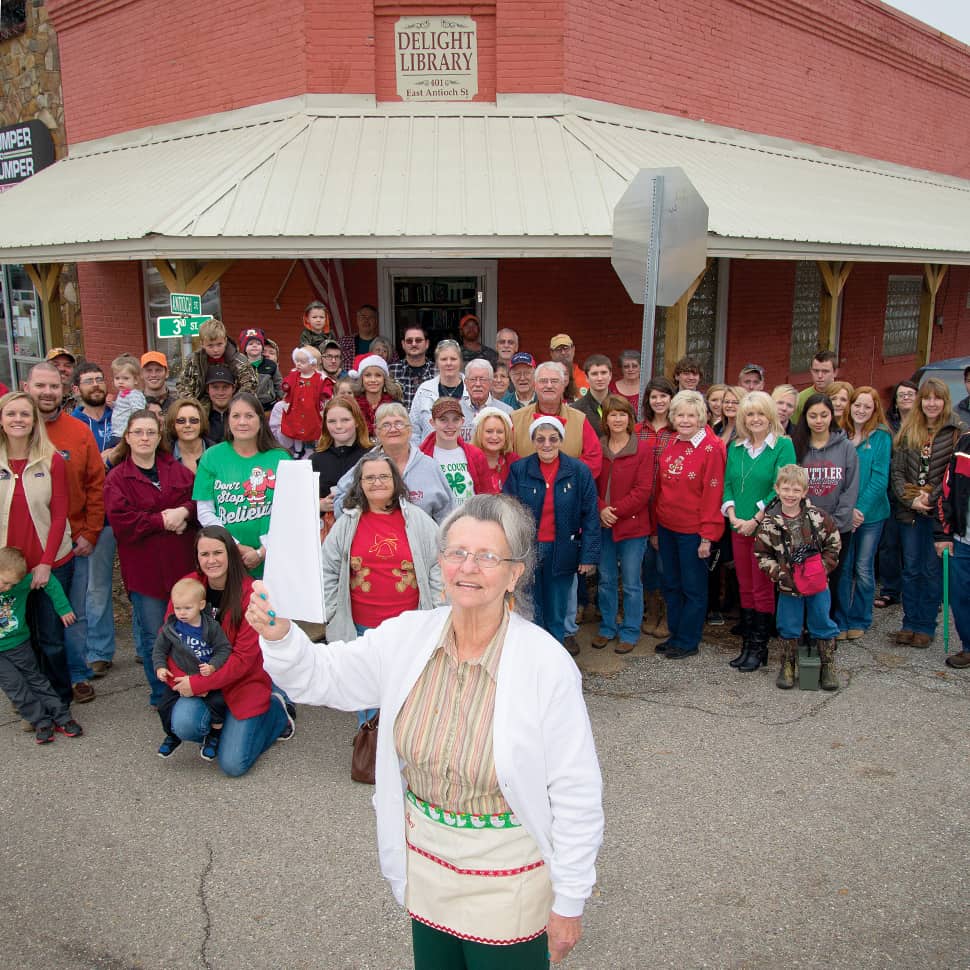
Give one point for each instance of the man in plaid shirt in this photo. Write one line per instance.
(415, 368)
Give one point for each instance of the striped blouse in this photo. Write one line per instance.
(443, 732)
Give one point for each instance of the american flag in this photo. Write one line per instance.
(326, 277)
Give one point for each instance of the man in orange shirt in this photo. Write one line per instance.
(85, 476)
(563, 350)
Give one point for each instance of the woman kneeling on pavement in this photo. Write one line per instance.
(561, 494)
(625, 485)
(258, 714)
(689, 520)
(488, 834)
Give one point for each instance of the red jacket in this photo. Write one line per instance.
(625, 483)
(306, 397)
(242, 680)
(477, 464)
(85, 475)
(690, 486)
(152, 558)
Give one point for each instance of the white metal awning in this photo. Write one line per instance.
(528, 177)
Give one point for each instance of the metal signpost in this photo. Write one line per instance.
(659, 245)
(187, 317)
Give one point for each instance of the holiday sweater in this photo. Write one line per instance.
(13, 610)
(689, 486)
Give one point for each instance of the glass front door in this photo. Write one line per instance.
(435, 303)
(22, 341)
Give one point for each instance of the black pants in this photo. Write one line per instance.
(214, 701)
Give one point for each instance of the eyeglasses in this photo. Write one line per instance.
(89, 381)
(142, 433)
(415, 340)
(484, 560)
(188, 421)
(377, 479)
(331, 356)
(476, 380)
(392, 426)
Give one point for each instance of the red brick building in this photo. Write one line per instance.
(236, 140)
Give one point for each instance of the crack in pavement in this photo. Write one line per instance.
(203, 902)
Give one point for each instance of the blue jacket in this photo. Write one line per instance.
(574, 503)
(100, 429)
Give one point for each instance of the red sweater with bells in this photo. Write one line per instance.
(690, 484)
(242, 680)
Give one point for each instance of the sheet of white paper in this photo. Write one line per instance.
(293, 564)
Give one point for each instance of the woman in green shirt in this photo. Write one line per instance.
(236, 480)
(754, 458)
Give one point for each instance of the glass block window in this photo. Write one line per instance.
(701, 326)
(805, 313)
(903, 297)
(157, 305)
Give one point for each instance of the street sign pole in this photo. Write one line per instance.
(650, 287)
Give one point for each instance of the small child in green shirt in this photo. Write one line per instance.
(21, 679)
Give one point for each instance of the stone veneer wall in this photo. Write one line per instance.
(30, 87)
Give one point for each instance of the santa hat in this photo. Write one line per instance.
(363, 361)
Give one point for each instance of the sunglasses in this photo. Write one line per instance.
(188, 421)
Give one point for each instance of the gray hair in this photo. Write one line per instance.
(447, 345)
(689, 401)
(555, 365)
(480, 363)
(391, 410)
(629, 355)
(518, 525)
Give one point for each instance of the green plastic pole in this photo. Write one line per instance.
(946, 599)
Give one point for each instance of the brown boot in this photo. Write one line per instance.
(827, 679)
(789, 665)
(662, 631)
(649, 624)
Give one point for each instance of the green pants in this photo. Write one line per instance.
(435, 950)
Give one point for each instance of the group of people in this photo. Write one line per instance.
(481, 488)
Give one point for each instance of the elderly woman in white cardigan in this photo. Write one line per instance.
(488, 834)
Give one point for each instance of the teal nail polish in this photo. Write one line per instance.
(262, 596)
(272, 613)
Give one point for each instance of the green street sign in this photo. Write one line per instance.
(186, 303)
(181, 326)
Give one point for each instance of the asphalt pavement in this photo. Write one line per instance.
(747, 827)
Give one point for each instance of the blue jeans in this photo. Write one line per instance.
(857, 584)
(569, 625)
(148, 615)
(890, 558)
(684, 587)
(98, 605)
(242, 742)
(76, 635)
(959, 585)
(627, 554)
(652, 568)
(922, 576)
(551, 594)
(794, 612)
(369, 712)
(48, 634)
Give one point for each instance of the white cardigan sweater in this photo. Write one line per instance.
(545, 758)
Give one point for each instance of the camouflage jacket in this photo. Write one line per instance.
(773, 544)
(191, 382)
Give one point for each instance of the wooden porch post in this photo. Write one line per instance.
(933, 274)
(186, 276)
(46, 279)
(675, 326)
(834, 276)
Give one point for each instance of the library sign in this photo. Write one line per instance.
(436, 58)
(25, 148)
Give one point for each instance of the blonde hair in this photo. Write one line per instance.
(792, 475)
(760, 403)
(12, 560)
(212, 330)
(127, 364)
(484, 415)
(688, 401)
(188, 586)
(915, 429)
(781, 390)
(39, 448)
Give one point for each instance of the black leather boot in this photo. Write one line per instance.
(758, 652)
(747, 628)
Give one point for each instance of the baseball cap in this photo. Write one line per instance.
(757, 368)
(219, 372)
(446, 405)
(328, 344)
(522, 358)
(154, 357)
(60, 352)
(561, 340)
